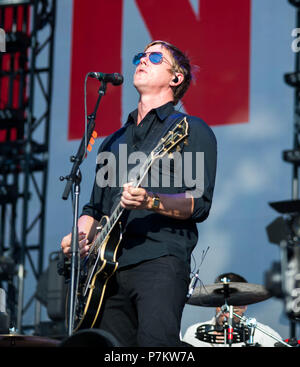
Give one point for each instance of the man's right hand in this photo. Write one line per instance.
(83, 243)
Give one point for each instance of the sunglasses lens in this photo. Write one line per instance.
(156, 57)
(137, 58)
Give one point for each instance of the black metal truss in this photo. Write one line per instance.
(24, 153)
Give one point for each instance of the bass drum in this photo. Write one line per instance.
(16, 340)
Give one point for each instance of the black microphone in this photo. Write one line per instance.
(115, 78)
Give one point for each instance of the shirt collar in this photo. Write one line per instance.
(162, 112)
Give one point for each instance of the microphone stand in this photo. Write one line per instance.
(74, 178)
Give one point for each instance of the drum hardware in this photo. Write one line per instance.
(17, 340)
(236, 293)
(208, 333)
(225, 295)
(251, 323)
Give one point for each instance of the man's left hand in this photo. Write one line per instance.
(135, 197)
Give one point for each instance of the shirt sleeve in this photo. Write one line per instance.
(200, 169)
(98, 204)
(94, 208)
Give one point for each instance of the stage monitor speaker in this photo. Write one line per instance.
(91, 338)
(52, 289)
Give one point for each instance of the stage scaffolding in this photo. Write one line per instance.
(26, 70)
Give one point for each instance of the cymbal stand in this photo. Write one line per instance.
(228, 328)
(229, 309)
(252, 324)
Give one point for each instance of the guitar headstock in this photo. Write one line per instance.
(173, 137)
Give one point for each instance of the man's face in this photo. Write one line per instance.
(149, 77)
(239, 310)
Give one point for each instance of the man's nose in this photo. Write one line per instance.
(144, 59)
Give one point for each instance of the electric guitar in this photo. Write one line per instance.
(101, 262)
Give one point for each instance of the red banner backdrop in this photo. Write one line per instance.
(96, 46)
(12, 93)
(217, 41)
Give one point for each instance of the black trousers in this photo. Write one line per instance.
(144, 303)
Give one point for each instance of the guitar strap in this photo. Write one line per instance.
(148, 144)
(153, 138)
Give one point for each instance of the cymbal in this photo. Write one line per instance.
(239, 294)
(17, 340)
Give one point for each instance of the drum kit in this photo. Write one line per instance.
(228, 295)
(13, 339)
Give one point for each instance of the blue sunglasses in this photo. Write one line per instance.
(155, 57)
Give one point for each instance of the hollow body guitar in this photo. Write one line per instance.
(101, 262)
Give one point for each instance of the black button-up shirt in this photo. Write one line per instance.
(147, 234)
